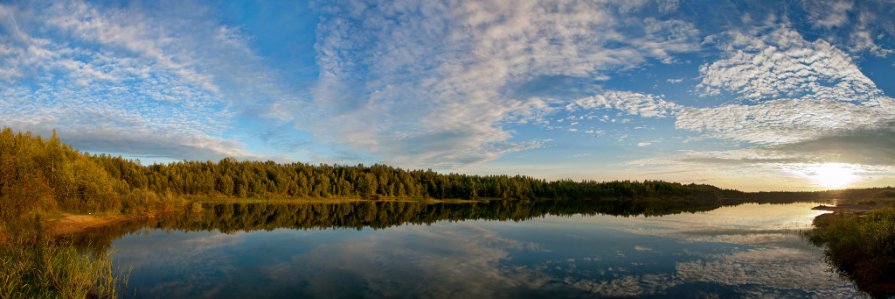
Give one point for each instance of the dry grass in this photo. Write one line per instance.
(71, 223)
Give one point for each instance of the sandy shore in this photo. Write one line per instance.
(72, 223)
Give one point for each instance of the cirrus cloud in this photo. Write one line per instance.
(128, 80)
(398, 76)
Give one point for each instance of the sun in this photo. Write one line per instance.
(832, 175)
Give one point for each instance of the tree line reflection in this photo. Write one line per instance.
(236, 217)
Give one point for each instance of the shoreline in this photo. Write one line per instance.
(70, 223)
(848, 208)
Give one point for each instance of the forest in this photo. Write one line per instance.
(44, 174)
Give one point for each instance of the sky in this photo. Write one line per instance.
(754, 95)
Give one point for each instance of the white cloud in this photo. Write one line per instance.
(828, 14)
(795, 90)
(631, 103)
(792, 90)
(467, 264)
(779, 63)
(115, 79)
(625, 286)
(127, 30)
(856, 26)
(786, 120)
(423, 83)
(863, 36)
(675, 80)
(873, 147)
(775, 267)
(642, 248)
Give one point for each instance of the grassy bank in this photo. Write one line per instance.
(34, 266)
(861, 246)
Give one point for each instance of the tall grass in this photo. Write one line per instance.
(32, 266)
(862, 247)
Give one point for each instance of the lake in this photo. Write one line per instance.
(489, 250)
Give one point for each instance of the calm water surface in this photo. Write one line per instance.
(742, 251)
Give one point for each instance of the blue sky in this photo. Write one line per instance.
(758, 95)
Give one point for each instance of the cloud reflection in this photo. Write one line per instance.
(719, 253)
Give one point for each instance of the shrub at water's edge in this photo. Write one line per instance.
(861, 246)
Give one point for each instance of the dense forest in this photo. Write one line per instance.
(46, 174)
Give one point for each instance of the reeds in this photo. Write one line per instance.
(32, 266)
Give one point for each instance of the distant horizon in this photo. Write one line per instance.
(757, 96)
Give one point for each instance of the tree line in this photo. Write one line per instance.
(230, 177)
(43, 174)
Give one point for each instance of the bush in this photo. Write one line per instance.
(861, 247)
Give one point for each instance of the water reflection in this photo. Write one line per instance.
(233, 217)
(338, 251)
